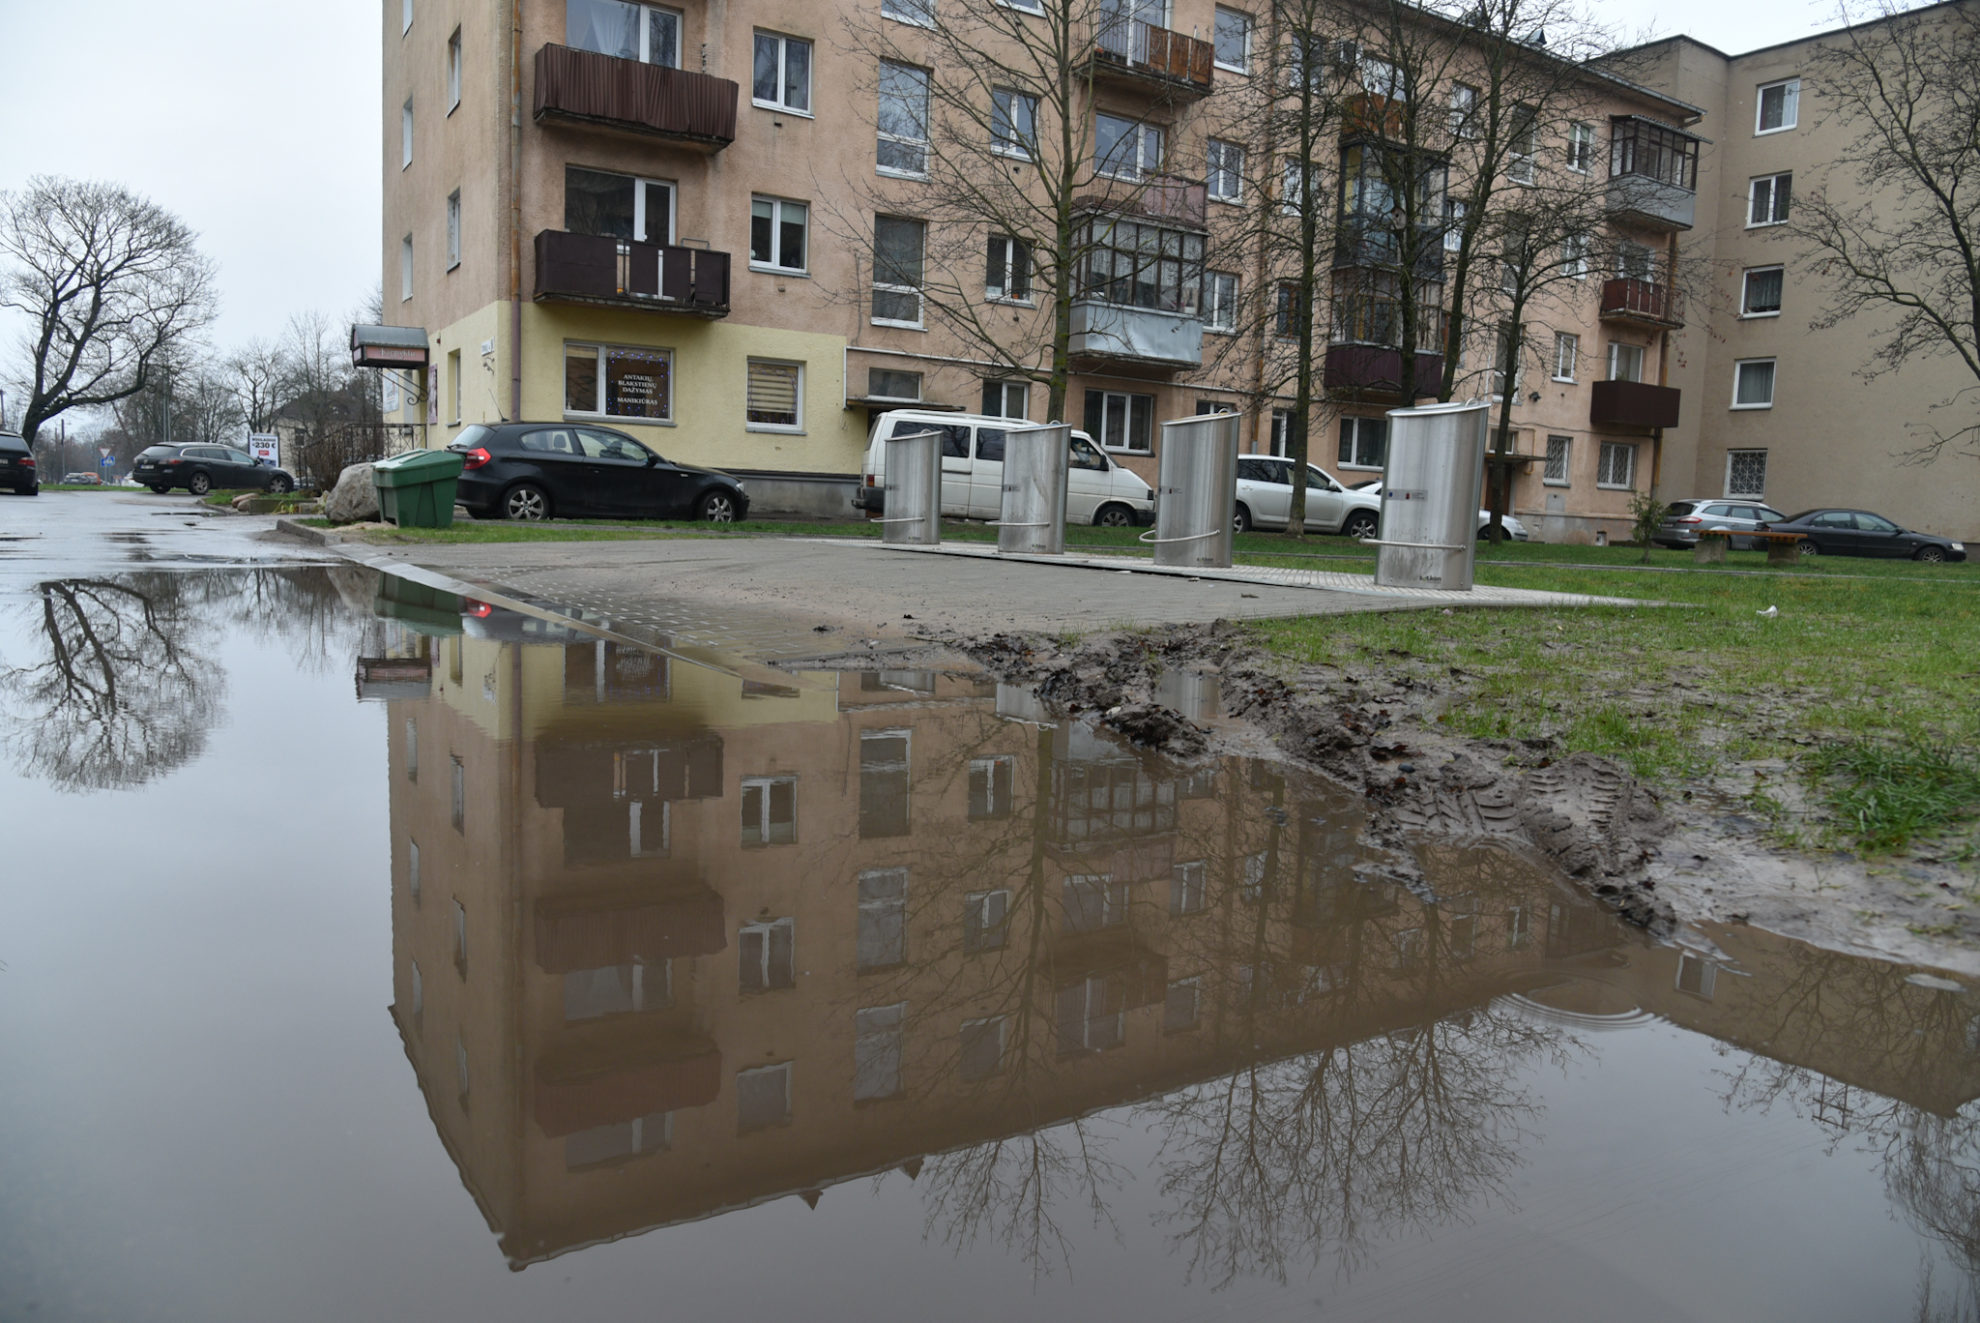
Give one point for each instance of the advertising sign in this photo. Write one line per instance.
(266, 446)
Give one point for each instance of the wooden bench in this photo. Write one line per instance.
(1782, 548)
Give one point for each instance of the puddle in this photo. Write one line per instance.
(844, 991)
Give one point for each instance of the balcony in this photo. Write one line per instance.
(584, 87)
(1633, 404)
(1148, 336)
(1365, 371)
(1168, 198)
(1642, 302)
(1366, 115)
(1653, 173)
(1130, 52)
(590, 268)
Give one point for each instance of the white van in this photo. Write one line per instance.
(1098, 491)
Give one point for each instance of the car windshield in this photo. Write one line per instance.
(1682, 507)
(158, 452)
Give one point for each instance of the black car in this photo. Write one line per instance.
(17, 470)
(1860, 533)
(537, 470)
(202, 467)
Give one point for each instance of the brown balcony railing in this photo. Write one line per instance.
(1375, 370)
(1183, 202)
(1627, 298)
(1633, 404)
(590, 268)
(586, 87)
(1128, 45)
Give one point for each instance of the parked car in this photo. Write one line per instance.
(1685, 520)
(1515, 531)
(81, 480)
(199, 468)
(540, 470)
(1264, 499)
(1831, 532)
(1098, 491)
(17, 468)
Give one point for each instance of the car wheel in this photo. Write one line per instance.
(199, 484)
(1113, 515)
(280, 485)
(1358, 525)
(36, 491)
(1931, 555)
(1807, 547)
(525, 501)
(1241, 520)
(717, 507)
(160, 488)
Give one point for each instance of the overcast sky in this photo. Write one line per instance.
(257, 121)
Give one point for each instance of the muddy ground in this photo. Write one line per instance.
(1665, 858)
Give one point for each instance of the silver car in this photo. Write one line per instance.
(1685, 520)
(1264, 499)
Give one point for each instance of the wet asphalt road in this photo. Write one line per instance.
(69, 533)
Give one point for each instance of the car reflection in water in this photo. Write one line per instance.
(671, 939)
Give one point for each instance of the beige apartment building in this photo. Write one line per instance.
(691, 222)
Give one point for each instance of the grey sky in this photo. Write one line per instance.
(257, 121)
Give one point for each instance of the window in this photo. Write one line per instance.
(1006, 399)
(1580, 147)
(1092, 1017)
(405, 134)
(412, 871)
(892, 384)
(903, 123)
(460, 939)
(897, 255)
(1779, 108)
(1288, 310)
(1454, 210)
(454, 387)
(1007, 269)
(644, 839)
(641, 985)
(1464, 109)
(921, 13)
(990, 787)
(1220, 296)
(986, 920)
(1231, 37)
(1381, 78)
(774, 401)
(619, 1140)
(1364, 442)
(1753, 383)
(1522, 144)
(614, 381)
(454, 72)
(1768, 200)
(763, 1097)
(1181, 1006)
(1760, 295)
(777, 234)
(1013, 123)
(1746, 473)
(1567, 348)
(618, 206)
(767, 955)
(628, 31)
(1226, 173)
(1625, 361)
(882, 941)
(1187, 887)
(1617, 465)
(1574, 256)
(1507, 347)
(1295, 182)
(1138, 265)
(781, 79)
(1280, 441)
(1555, 474)
(769, 810)
(460, 793)
(453, 229)
(1125, 148)
(1635, 261)
(1697, 975)
(877, 1052)
(982, 1048)
(1519, 928)
(1119, 420)
(883, 783)
(405, 268)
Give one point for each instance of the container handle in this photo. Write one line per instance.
(1150, 538)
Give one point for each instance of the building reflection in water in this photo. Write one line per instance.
(671, 939)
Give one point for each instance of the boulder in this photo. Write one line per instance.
(354, 499)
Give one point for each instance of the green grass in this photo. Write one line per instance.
(1883, 796)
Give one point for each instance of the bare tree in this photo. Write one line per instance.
(1898, 233)
(109, 282)
(255, 372)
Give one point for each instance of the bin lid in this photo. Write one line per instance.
(417, 466)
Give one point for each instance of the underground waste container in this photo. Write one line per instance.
(416, 489)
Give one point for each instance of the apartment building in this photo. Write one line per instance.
(585, 218)
(1778, 410)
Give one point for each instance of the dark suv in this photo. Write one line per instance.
(17, 471)
(537, 470)
(202, 467)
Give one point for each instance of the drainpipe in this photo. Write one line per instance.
(1664, 359)
(515, 209)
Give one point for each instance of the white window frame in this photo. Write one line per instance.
(1581, 147)
(1004, 101)
(1745, 280)
(1295, 178)
(1217, 59)
(1143, 134)
(1773, 381)
(766, 929)
(1760, 495)
(1454, 213)
(873, 394)
(1218, 164)
(1604, 469)
(1023, 6)
(795, 429)
(1220, 313)
(1790, 106)
(1013, 250)
(406, 135)
(765, 784)
(454, 72)
(979, 904)
(1522, 165)
(1004, 389)
(784, 42)
(602, 349)
(782, 1068)
(882, 137)
(1189, 888)
(1464, 107)
(1565, 477)
(777, 206)
(914, 13)
(1353, 426)
(1774, 211)
(453, 229)
(880, 1030)
(920, 301)
(1112, 400)
(405, 268)
(1616, 348)
(1574, 256)
(1567, 355)
(1003, 1045)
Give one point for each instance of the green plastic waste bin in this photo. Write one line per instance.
(416, 489)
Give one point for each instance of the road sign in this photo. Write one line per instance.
(266, 445)
(108, 462)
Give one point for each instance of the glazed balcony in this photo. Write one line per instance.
(1366, 371)
(1641, 302)
(1151, 337)
(1633, 404)
(1169, 198)
(584, 87)
(591, 268)
(1129, 52)
(1653, 174)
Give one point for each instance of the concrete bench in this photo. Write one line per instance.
(1782, 548)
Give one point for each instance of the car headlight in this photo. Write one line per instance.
(1959, 546)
